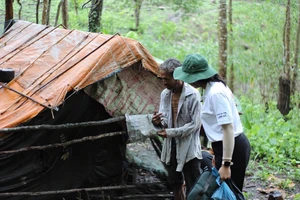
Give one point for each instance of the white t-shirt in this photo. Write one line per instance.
(219, 108)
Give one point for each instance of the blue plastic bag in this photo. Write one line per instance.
(223, 192)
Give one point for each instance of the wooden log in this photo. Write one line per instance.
(62, 126)
(55, 192)
(75, 141)
(143, 196)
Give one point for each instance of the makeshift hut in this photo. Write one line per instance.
(61, 77)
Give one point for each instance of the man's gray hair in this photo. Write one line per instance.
(170, 65)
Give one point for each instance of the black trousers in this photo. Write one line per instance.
(190, 173)
(240, 158)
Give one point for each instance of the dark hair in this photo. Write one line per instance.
(170, 65)
(215, 78)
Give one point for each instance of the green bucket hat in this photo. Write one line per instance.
(194, 68)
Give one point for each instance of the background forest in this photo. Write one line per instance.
(256, 57)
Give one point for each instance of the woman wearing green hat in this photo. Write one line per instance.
(219, 117)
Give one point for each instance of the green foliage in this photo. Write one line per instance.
(297, 196)
(132, 35)
(273, 137)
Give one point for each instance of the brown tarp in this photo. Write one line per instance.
(51, 61)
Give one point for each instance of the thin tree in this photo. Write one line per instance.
(295, 66)
(222, 39)
(37, 11)
(231, 71)
(57, 12)
(65, 15)
(137, 10)
(20, 9)
(45, 12)
(48, 11)
(9, 13)
(76, 6)
(95, 15)
(283, 103)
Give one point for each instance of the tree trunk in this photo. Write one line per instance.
(57, 12)
(48, 12)
(295, 74)
(76, 6)
(65, 16)
(231, 72)
(222, 39)
(287, 39)
(95, 16)
(45, 10)
(37, 11)
(138, 6)
(284, 96)
(9, 13)
(20, 9)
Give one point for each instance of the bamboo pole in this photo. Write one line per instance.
(62, 126)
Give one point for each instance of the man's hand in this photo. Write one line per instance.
(162, 133)
(225, 172)
(156, 118)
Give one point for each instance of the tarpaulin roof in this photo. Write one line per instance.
(51, 61)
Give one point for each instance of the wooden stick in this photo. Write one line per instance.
(142, 196)
(120, 187)
(28, 97)
(75, 141)
(62, 126)
(105, 188)
(4, 43)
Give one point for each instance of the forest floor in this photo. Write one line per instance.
(149, 169)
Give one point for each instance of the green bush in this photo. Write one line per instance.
(273, 137)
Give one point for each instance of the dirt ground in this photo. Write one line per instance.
(148, 169)
(257, 189)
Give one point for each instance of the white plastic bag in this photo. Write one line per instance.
(140, 127)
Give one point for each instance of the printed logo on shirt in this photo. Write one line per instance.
(221, 115)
